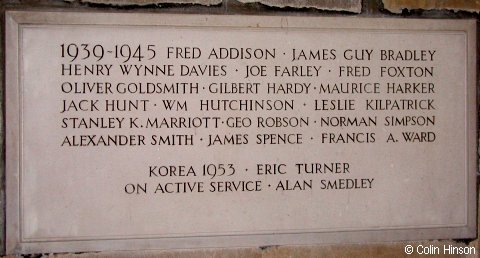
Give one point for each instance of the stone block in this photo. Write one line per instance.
(354, 6)
(396, 6)
(211, 253)
(149, 2)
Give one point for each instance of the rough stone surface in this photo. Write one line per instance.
(334, 251)
(2, 138)
(149, 2)
(216, 253)
(396, 6)
(354, 6)
(337, 251)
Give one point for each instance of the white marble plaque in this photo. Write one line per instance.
(143, 131)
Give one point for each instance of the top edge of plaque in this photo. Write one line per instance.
(232, 21)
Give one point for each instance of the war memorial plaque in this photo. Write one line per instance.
(153, 131)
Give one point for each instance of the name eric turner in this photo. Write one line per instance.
(271, 176)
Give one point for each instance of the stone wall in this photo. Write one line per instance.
(440, 9)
